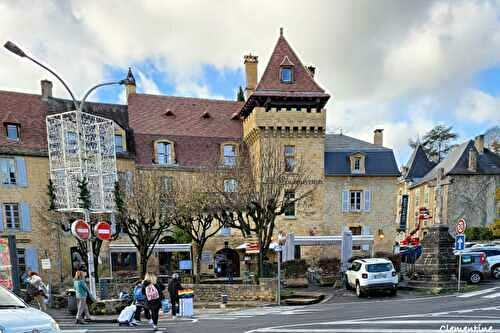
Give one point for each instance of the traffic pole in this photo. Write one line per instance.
(459, 270)
(278, 295)
(90, 259)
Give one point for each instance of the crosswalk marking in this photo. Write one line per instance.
(492, 295)
(479, 292)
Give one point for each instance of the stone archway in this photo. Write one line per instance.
(227, 263)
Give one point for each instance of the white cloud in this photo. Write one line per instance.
(147, 85)
(479, 107)
(368, 54)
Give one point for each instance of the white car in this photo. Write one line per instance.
(365, 275)
(17, 317)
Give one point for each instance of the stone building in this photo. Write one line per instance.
(179, 135)
(469, 178)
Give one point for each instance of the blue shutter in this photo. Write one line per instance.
(368, 201)
(31, 259)
(345, 201)
(1, 217)
(21, 178)
(25, 216)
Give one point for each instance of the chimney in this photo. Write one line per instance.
(130, 87)
(250, 62)
(312, 70)
(378, 137)
(472, 160)
(46, 89)
(479, 143)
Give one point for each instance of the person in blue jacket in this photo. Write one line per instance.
(140, 302)
(82, 292)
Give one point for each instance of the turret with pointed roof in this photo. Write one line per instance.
(299, 89)
(418, 165)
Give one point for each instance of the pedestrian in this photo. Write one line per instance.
(173, 290)
(82, 292)
(140, 302)
(153, 290)
(36, 290)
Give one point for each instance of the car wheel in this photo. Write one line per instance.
(359, 293)
(495, 272)
(475, 277)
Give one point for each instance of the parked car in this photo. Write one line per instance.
(365, 275)
(492, 256)
(475, 267)
(17, 317)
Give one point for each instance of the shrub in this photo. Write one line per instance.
(295, 268)
(479, 234)
(329, 265)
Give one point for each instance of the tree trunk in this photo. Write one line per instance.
(198, 266)
(144, 264)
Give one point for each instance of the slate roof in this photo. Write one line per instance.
(147, 116)
(419, 164)
(379, 161)
(303, 81)
(457, 161)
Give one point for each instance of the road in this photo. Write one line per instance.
(479, 309)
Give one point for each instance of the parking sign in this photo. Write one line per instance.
(459, 242)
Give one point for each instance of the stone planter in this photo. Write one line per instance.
(299, 282)
(327, 280)
(108, 307)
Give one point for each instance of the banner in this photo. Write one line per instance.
(5, 265)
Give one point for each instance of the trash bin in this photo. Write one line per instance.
(71, 296)
(186, 303)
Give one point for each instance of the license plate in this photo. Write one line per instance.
(379, 276)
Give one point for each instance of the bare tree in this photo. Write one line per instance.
(267, 184)
(195, 215)
(144, 211)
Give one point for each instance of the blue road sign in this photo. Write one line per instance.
(459, 242)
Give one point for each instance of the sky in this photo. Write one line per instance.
(404, 66)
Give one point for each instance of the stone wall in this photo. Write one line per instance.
(264, 292)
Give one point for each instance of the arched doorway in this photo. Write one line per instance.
(227, 263)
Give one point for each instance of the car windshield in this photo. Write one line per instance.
(9, 300)
(375, 268)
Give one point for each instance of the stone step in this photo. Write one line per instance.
(301, 301)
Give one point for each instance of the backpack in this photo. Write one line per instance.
(152, 293)
(138, 295)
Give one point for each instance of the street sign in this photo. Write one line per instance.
(46, 264)
(459, 242)
(80, 229)
(103, 230)
(461, 226)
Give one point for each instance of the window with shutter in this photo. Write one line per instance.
(21, 172)
(32, 259)
(345, 201)
(368, 200)
(11, 213)
(25, 217)
(8, 171)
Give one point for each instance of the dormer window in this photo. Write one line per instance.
(12, 131)
(286, 74)
(357, 162)
(164, 152)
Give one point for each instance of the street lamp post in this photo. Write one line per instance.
(279, 249)
(79, 108)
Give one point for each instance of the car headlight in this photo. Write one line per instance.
(55, 326)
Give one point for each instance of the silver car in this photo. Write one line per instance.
(17, 317)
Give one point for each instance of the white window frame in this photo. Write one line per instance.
(9, 212)
(17, 128)
(230, 155)
(230, 185)
(8, 165)
(163, 153)
(289, 155)
(358, 197)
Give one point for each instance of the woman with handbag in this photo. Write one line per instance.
(153, 290)
(82, 293)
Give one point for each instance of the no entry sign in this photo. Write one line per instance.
(80, 229)
(461, 226)
(103, 230)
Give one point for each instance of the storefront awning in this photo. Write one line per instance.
(127, 247)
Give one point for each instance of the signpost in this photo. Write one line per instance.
(80, 229)
(460, 245)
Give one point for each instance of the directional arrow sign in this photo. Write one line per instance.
(459, 242)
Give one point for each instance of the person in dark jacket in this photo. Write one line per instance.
(153, 290)
(173, 290)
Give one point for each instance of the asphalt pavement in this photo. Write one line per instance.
(478, 311)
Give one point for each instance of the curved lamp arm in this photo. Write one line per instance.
(17, 51)
(82, 103)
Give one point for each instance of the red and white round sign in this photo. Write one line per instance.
(461, 226)
(103, 230)
(80, 229)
